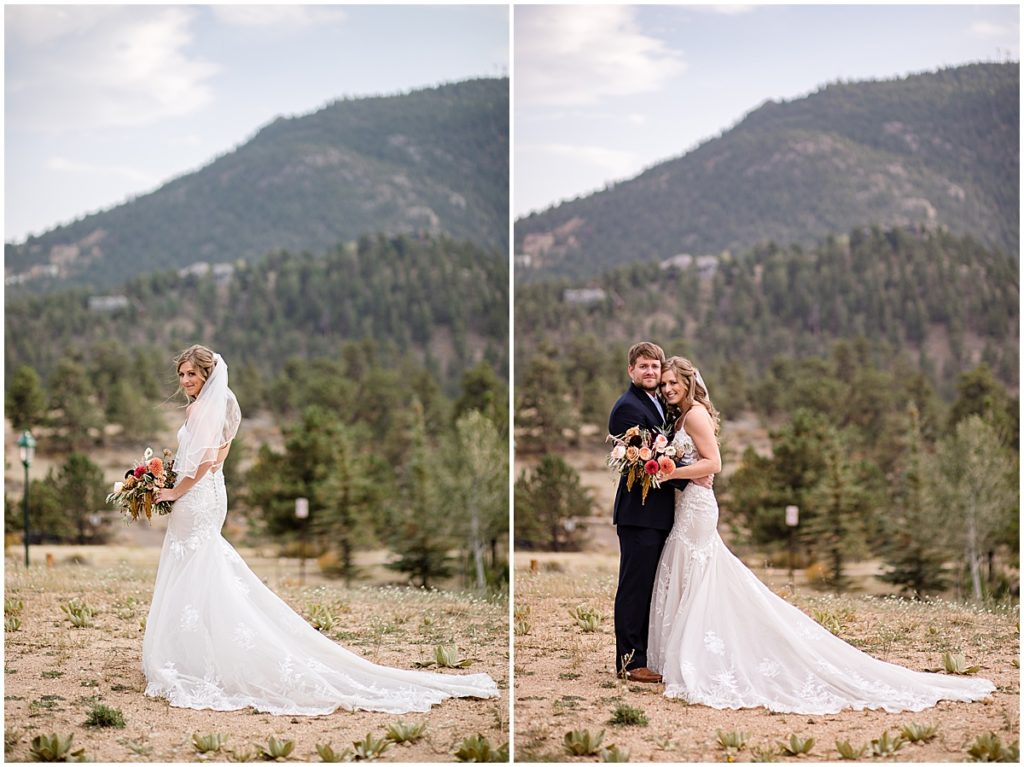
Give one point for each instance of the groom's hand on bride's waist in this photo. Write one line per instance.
(708, 481)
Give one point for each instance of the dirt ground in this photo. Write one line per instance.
(565, 680)
(54, 673)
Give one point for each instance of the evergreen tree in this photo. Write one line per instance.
(26, 401)
(423, 537)
(82, 492)
(545, 411)
(74, 414)
(550, 502)
(914, 555)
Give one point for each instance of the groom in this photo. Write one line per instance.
(642, 527)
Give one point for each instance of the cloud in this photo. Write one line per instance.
(63, 165)
(989, 31)
(725, 10)
(277, 16)
(81, 67)
(583, 54)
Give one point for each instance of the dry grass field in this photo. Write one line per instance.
(565, 680)
(55, 673)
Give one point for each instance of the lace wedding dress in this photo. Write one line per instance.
(217, 638)
(720, 637)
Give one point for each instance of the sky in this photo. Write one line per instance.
(603, 92)
(103, 103)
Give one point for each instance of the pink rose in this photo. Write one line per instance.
(651, 467)
(645, 454)
(660, 442)
(632, 453)
(666, 465)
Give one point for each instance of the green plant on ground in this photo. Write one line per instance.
(104, 716)
(209, 743)
(989, 748)
(768, 753)
(587, 618)
(797, 746)
(13, 606)
(401, 732)
(369, 748)
(614, 754)
(846, 751)
(276, 750)
(830, 619)
(627, 715)
(52, 674)
(665, 742)
(919, 733)
(12, 736)
(886, 746)
(238, 755)
(733, 740)
(79, 613)
(477, 748)
(956, 663)
(321, 617)
(55, 748)
(328, 754)
(521, 627)
(137, 747)
(582, 742)
(12, 623)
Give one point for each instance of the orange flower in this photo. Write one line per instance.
(632, 453)
(156, 466)
(667, 465)
(645, 454)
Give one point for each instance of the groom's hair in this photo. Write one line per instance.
(646, 349)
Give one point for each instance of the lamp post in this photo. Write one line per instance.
(302, 512)
(27, 443)
(792, 520)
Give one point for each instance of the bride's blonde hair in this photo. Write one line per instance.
(693, 390)
(202, 360)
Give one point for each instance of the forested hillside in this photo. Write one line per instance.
(939, 150)
(433, 161)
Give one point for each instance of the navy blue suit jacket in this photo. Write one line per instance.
(634, 408)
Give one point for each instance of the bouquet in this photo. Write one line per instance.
(641, 456)
(134, 495)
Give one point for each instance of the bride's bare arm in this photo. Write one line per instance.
(702, 429)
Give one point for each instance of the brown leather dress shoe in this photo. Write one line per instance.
(643, 674)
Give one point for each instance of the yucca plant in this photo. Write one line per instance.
(370, 748)
(733, 740)
(328, 754)
(665, 743)
(846, 751)
(13, 606)
(587, 618)
(79, 613)
(447, 656)
(400, 732)
(885, 745)
(957, 664)
(627, 715)
(276, 750)
(55, 748)
(521, 627)
(919, 733)
(239, 755)
(521, 612)
(477, 748)
(321, 617)
(104, 716)
(614, 754)
(12, 623)
(208, 743)
(764, 754)
(797, 746)
(582, 742)
(829, 620)
(989, 748)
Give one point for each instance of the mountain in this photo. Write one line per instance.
(441, 302)
(939, 149)
(433, 160)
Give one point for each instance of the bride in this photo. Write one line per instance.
(216, 637)
(720, 637)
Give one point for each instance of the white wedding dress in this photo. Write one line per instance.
(217, 638)
(721, 638)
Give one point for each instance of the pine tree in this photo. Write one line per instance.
(26, 402)
(915, 556)
(550, 502)
(74, 413)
